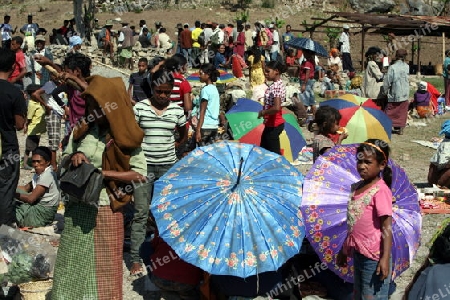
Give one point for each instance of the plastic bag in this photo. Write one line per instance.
(27, 256)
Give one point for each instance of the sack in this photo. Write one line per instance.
(201, 39)
(226, 38)
(83, 183)
(269, 36)
(263, 37)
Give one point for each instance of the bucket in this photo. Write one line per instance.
(36, 290)
(438, 69)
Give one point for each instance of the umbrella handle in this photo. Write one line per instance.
(240, 170)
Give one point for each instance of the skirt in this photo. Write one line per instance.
(89, 260)
(397, 112)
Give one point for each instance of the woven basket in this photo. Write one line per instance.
(36, 290)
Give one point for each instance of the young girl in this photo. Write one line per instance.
(369, 220)
(307, 81)
(273, 97)
(325, 126)
(208, 115)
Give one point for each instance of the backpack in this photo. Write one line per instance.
(201, 39)
(263, 37)
(215, 39)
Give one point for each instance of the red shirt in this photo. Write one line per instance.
(186, 39)
(306, 65)
(180, 87)
(275, 90)
(20, 64)
(165, 264)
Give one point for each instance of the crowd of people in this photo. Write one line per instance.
(135, 135)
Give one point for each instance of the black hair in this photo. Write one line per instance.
(325, 118)
(31, 88)
(175, 63)
(78, 60)
(162, 76)
(329, 73)
(18, 39)
(197, 24)
(276, 65)
(256, 54)
(185, 26)
(381, 150)
(7, 59)
(162, 29)
(43, 151)
(211, 70)
(144, 60)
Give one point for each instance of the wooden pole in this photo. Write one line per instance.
(443, 46)
(418, 56)
(412, 53)
(363, 37)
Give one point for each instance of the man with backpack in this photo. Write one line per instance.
(198, 42)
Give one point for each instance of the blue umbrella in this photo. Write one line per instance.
(231, 209)
(308, 44)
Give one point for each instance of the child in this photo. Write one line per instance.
(35, 125)
(422, 101)
(208, 115)
(272, 113)
(307, 81)
(327, 83)
(134, 88)
(439, 170)
(325, 126)
(369, 219)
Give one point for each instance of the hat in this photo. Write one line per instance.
(39, 38)
(74, 40)
(124, 23)
(401, 53)
(179, 25)
(345, 26)
(271, 25)
(118, 20)
(423, 86)
(445, 129)
(158, 23)
(186, 24)
(109, 23)
(30, 15)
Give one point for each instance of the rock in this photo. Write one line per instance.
(420, 8)
(373, 6)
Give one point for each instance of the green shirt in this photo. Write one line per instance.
(93, 145)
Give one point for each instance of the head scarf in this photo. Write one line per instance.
(74, 40)
(445, 129)
(334, 51)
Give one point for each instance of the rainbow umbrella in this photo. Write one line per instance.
(224, 77)
(247, 128)
(362, 118)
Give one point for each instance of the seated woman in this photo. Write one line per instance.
(422, 101)
(41, 195)
(439, 171)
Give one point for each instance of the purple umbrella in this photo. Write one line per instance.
(326, 192)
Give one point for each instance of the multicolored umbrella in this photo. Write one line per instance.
(231, 209)
(362, 118)
(308, 44)
(247, 128)
(325, 196)
(223, 78)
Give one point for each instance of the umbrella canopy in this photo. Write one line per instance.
(223, 78)
(231, 209)
(362, 117)
(247, 128)
(308, 44)
(326, 227)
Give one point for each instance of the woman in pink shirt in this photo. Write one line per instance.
(369, 220)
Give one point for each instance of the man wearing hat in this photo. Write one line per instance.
(39, 75)
(126, 51)
(186, 42)
(105, 39)
(29, 30)
(396, 88)
(7, 31)
(344, 44)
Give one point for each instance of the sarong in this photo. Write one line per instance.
(397, 112)
(35, 215)
(89, 260)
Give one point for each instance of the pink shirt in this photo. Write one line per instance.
(365, 220)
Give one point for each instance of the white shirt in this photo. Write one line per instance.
(276, 42)
(345, 40)
(208, 33)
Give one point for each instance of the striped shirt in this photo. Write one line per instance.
(180, 87)
(159, 140)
